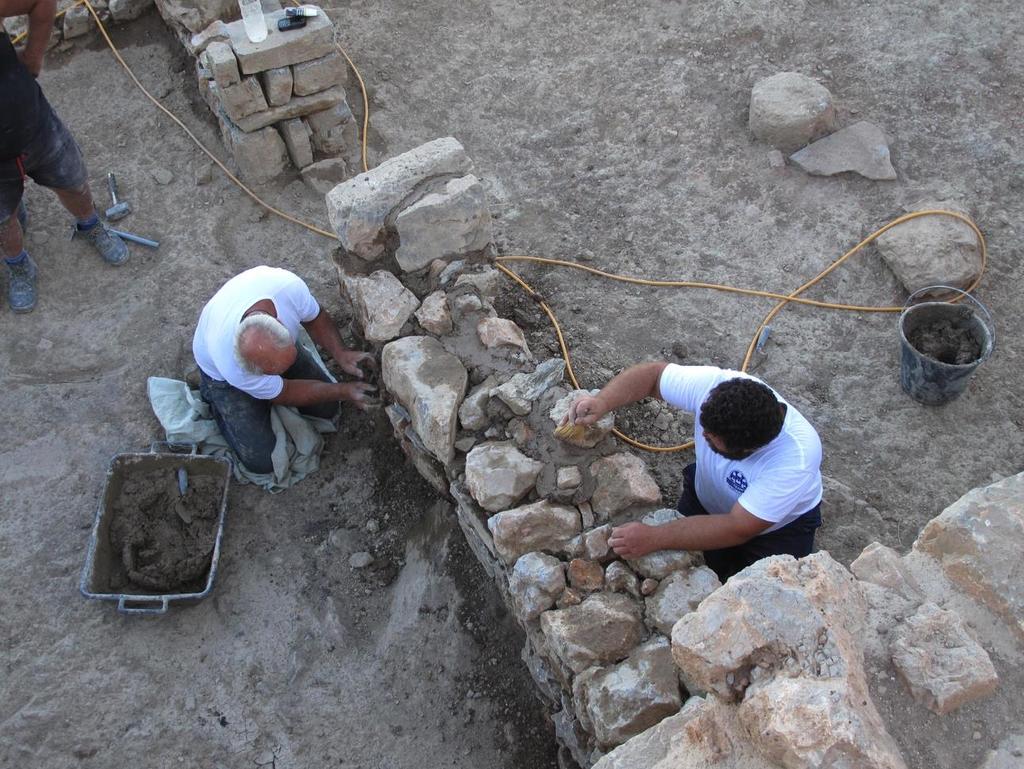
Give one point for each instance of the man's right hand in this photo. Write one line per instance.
(585, 410)
(358, 394)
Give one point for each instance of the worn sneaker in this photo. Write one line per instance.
(21, 292)
(107, 244)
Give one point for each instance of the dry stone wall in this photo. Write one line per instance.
(650, 662)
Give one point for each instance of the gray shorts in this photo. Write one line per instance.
(52, 159)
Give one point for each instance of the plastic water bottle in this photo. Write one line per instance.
(252, 17)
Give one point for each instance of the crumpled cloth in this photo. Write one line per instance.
(186, 418)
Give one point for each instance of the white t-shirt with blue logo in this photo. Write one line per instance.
(214, 342)
(777, 483)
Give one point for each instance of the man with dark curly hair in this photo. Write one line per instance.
(755, 489)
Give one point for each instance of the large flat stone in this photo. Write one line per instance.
(978, 541)
(309, 77)
(381, 303)
(860, 148)
(498, 475)
(623, 484)
(603, 629)
(448, 224)
(623, 700)
(196, 15)
(282, 49)
(543, 526)
(359, 208)
(296, 107)
(429, 382)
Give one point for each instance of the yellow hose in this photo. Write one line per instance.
(783, 299)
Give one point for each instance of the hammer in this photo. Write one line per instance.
(117, 210)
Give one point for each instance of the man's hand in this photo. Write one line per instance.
(350, 362)
(634, 540)
(358, 394)
(585, 410)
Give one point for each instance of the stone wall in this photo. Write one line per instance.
(651, 662)
(280, 102)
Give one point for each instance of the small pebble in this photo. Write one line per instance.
(360, 560)
(162, 175)
(372, 526)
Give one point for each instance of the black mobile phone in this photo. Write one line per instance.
(291, 22)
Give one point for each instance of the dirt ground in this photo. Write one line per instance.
(611, 132)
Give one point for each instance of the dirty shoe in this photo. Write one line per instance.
(23, 216)
(107, 244)
(22, 289)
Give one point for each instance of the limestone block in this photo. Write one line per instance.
(932, 250)
(498, 475)
(978, 541)
(126, 10)
(603, 629)
(860, 148)
(536, 582)
(472, 415)
(623, 483)
(297, 107)
(277, 84)
(807, 723)
(334, 129)
(448, 224)
(358, 209)
(281, 49)
(241, 100)
(568, 477)
(260, 155)
(196, 15)
(591, 435)
(429, 382)
(542, 526)
(623, 700)
(661, 563)
(519, 392)
(592, 544)
(585, 575)
(881, 565)
(778, 614)
(77, 22)
(296, 139)
(381, 304)
(619, 578)
(788, 110)
(217, 32)
(679, 594)
(434, 314)
(319, 74)
(501, 332)
(939, 661)
(487, 283)
(221, 61)
(324, 175)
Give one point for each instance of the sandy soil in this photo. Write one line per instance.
(610, 132)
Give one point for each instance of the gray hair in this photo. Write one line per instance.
(260, 323)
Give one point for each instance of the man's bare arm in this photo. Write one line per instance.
(41, 14)
(324, 332)
(629, 386)
(696, 532)
(309, 392)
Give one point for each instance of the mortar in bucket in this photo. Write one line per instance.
(941, 345)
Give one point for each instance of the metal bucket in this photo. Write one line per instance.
(934, 380)
(100, 559)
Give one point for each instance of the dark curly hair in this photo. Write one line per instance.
(745, 414)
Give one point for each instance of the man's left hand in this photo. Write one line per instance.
(351, 360)
(634, 540)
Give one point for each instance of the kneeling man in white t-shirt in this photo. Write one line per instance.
(755, 489)
(245, 345)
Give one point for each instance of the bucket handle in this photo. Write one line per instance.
(142, 606)
(964, 295)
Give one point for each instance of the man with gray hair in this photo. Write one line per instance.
(245, 345)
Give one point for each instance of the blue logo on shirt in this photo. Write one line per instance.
(737, 481)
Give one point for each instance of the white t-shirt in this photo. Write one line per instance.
(214, 342)
(777, 483)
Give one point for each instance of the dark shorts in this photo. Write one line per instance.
(244, 421)
(795, 538)
(52, 159)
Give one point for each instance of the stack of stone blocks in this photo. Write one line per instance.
(279, 100)
(644, 662)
